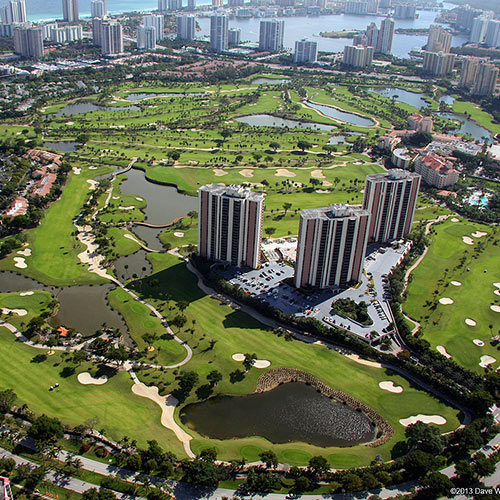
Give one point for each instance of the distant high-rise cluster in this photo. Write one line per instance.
(271, 35)
(171, 5)
(437, 58)
(405, 11)
(62, 34)
(70, 10)
(14, 12)
(28, 41)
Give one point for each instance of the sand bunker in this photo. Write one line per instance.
(238, 357)
(361, 361)
(262, 363)
(20, 262)
(322, 191)
(19, 312)
(246, 172)
(497, 285)
(486, 361)
(86, 378)
(497, 292)
(26, 252)
(388, 385)
(77, 170)
(283, 172)
(470, 322)
(93, 167)
(467, 240)
(151, 348)
(445, 301)
(442, 350)
(51, 353)
(179, 234)
(93, 184)
(479, 234)
(116, 197)
(455, 219)
(495, 309)
(130, 207)
(478, 342)
(456, 283)
(426, 419)
(219, 172)
(138, 198)
(24, 294)
(317, 174)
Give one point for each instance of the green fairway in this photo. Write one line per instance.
(30, 306)
(476, 268)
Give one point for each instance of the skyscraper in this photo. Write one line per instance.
(386, 36)
(305, 51)
(391, 199)
(14, 12)
(492, 36)
(478, 31)
(405, 11)
(438, 63)
(358, 56)
(372, 35)
(217, 3)
(218, 33)
(439, 40)
(28, 41)
(146, 37)
(234, 37)
(356, 7)
(97, 31)
(466, 16)
(185, 27)
(111, 38)
(191, 6)
(70, 10)
(486, 80)
(331, 246)
(271, 35)
(97, 8)
(468, 74)
(230, 224)
(157, 21)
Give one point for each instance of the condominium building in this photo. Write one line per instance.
(185, 27)
(478, 31)
(492, 36)
(28, 41)
(358, 57)
(97, 31)
(371, 35)
(305, 51)
(486, 80)
(271, 35)
(436, 171)
(466, 16)
(438, 40)
(218, 33)
(146, 37)
(391, 199)
(14, 12)
(156, 21)
(169, 5)
(331, 246)
(468, 73)
(97, 8)
(217, 3)
(355, 7)
(111, 38)
(64, 33)
(386, 36)
(191, 5)
(405, 11)
(230, 225)
(420, 123)
(438, 63)
(234, 37)
(372, 6)
(70, 10)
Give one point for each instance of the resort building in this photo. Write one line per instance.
(391, 199)
(331, 246)
(438, 63)
(420, 123)
(158, 22)
(230, 225)
(218, 33)
(146, 38)
(438, 40)
(401, 158)
(358, 57)
(271, 35)
(486, 80)
(111, 38)
(186, 26)
(306, 51)
(436, 171)
(28, 41)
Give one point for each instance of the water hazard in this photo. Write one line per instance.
(273, 121)
(341, 116)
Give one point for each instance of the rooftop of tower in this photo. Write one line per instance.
(233, 191)
(334, 211)
(394, 174)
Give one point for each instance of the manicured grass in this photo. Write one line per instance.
(33, 304)
(122, 246)
(482, 117)
(445, 324)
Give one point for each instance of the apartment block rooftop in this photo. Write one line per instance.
(233, 191)
(334, 211)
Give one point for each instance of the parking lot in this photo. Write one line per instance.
(273, 283)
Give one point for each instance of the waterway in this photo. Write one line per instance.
(290, 413)
(139, 96)
(412, 98)
(341, 116)
(273, 121)
(268, 81)
(89, 107)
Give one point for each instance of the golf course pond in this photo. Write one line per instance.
(89, 107)
(339, 115)
(292, 412)
(274, 121)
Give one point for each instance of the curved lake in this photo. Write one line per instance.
(61, 146)
(467, 126)
(290, 413)
(89, 107)
(273, 121)
(268, 81)
(139, 96)
(341, 116)
(412, 98)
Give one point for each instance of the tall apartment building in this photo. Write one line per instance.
(70, 10)
(386, 36)
(217, 3)
(97, 8)
(438, 64)
(492, 36)
(372, 6)
(486, 80)
(230, 224)
(371, 35)
(111, 38)
(439, 40)
(218, 33)
(468, 74)
(436, 171)
(28, 41)
(355, 7)
(234, 37)
(331, 246)
(466, 16)
(169, 5)
(185, 27)
(478, 31)
(157, 21)
(271, 35)
(97, 31)
(146, 37)
(358, 57)
(405, 11)
(305, 51)
(64, 33)
(14, 12)
(191, 5)
(391, 199)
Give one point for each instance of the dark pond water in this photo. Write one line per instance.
(133, 266)
(268, 81)
(342, 116)
(138, 96)
(273, 121)
(149, 235)
(88, 107)
(62, 146)
(468, 126)
(412, 98)
(290, 413)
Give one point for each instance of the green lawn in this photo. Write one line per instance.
(33, 304)
(445, 324)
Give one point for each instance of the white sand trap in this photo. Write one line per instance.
(19, 312)
(497, 285)
(138, 198)
(467, 240)
(388, 385)
(179, 234)
(497, 292)
(86, 378)
(486, 361)
(262, 363)
(93, 184)
(70, 123)
(77, 170)
(479, 234)
(130, 207)
(246, 172)
(26, 252)
(116, 197)
(445, 301)
(478, 342)
(495, 309)
(20, 262)
(455, 219)
(283, 172)
(322, 191)
(93, 167)
(327, 183)
(238, 357)
(470, 322)
(317, 174)
(456, 283)
(441, 349)
(219, 172)
(24, 294)
(426, 419)
(361, 361)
